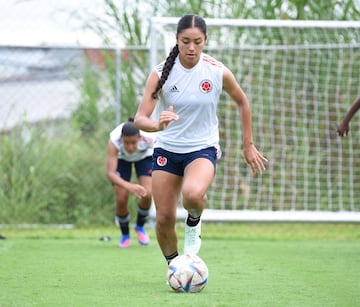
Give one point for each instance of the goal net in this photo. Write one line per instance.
(301, 78)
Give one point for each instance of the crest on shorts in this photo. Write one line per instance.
(161, 161)
(206, 86)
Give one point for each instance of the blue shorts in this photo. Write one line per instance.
(142, 168)
(175, 163)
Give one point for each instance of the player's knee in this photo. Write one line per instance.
(148, 195)
(165, 220)
(122, 197)
(145, 202)
(121, 201)
(193, 196)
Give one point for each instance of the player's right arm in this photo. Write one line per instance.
(113, 176)
(343, 127)
(143, 120)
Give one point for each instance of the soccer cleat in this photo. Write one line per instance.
(192, 241)
(143, 238)
(124, 241)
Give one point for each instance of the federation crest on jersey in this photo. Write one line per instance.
(206, 86)
(161, 161)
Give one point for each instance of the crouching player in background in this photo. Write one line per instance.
(129, 146)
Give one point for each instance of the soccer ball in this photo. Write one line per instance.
(187, 273)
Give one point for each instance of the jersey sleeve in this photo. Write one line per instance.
(115, 136)
(149, 138)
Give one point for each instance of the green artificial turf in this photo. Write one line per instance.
(249, 265)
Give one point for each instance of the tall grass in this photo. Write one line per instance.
(53, 179)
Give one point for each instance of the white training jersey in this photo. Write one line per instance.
(143, 150)
(194, 93)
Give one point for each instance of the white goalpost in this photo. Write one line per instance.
(300, 77)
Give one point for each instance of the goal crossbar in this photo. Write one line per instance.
(161, 21)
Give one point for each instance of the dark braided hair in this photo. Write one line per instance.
(129, 128)
(186, 22)
(169, 63)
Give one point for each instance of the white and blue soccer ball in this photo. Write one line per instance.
(187, 273)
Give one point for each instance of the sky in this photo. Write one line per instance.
(49, 22)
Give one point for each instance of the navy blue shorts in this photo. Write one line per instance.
(176, 163)
(142, 168)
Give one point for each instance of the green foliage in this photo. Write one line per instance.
(47, 179)
(322, 10)
(127, 18)
(86, 116)
(256, 9)
(134, 71)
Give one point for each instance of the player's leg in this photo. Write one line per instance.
(122, 216)
(143, 171)
(198, 176)
(166, 189)
(143, 211)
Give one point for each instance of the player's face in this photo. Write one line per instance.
(130, 143)
(191, 43)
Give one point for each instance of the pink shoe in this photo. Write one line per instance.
(143, 238)
(125, 241)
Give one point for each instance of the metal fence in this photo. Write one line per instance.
(44, 84)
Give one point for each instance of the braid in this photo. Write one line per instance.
(169, 63)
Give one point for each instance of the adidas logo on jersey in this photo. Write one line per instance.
(174, 89)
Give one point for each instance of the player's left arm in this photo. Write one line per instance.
(114, 178)
(252, 156)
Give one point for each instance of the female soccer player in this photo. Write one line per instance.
(343, 127)
(127, 146)
(189, 84)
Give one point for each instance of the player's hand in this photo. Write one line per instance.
(343, 130)
(255, 159)
(138, 190)
(166, 117)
